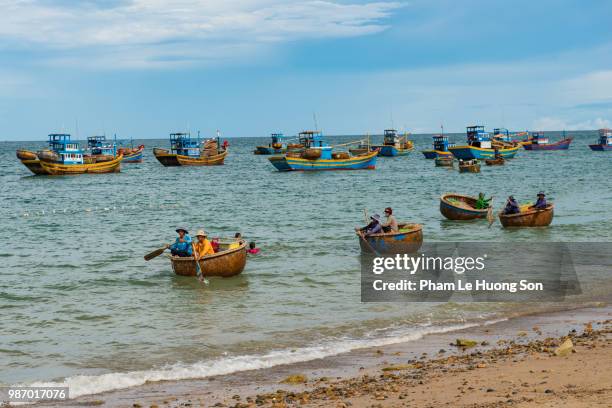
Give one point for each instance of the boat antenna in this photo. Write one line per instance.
(392, 123)
(442, 129)
(314, 117)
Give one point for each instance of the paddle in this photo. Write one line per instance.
(490, 216)
(201, 276)
(362, 234)
(155, 253)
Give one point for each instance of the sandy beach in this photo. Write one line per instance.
(525, 361)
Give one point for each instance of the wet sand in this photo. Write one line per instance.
(513, 363)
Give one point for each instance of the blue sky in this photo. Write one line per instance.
(144, 68)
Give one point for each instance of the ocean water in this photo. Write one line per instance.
(79, 305)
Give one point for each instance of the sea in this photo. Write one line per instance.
(79, 306)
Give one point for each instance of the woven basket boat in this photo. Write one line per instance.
(225, 263)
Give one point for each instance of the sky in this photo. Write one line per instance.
(145, 68)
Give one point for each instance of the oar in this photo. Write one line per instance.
(155, 253)
(201, 276)
(490, 216)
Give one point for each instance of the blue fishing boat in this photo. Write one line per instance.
(64, 157)
(605, 141)
(318, 155)
(130, 153)
(480, 146)
(188, 151)
(394, 145)
(440, 148)
(100, 149)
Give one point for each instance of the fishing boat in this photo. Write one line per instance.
(362, 147)
(318, 156)
(408, 239)
(394, 145)
(65, 157)
(444, 161)
(459, 207)
(539, 141)
(480, 146)
(504, 135)
(99, 150)
(499, 161)
(276, 145)
(225, 263)
(440, 148)
(529, 217)
(605, 141)
(188, 151)
(132, 154)
(469, 166)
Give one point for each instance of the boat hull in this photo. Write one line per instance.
(392, 151)
(433, 154)
(135, 157)
(463, 209)
(173, 160)
(469, 168)
(600, 147)
(59, 169)
(444, 161)
(265, 150)
(225, 264)
(529, 218)
(470, 152)
(402, 242)
(560, 145)
(363, 162)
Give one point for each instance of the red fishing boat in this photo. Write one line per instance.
(540, 142)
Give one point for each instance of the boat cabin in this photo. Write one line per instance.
(440, 143)
(313, 139)
(277, 139)
(477, 137)
(97, 145)
(502, 134)
(605, 137)
(68, 151)
(390, 137)
(182, 144)
(539, 138)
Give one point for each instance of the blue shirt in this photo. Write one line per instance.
(374, 229)
(540, 204)
(183, 246)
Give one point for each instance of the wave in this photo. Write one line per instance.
(88, 384)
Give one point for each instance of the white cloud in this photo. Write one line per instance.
(154, 31)
(553, 123)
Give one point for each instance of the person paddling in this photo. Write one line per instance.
(374, 227)
(541, 203)
(512, 206)
(482, 203)
(182, 246)
(202, 247)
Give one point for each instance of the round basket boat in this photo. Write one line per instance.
(529, 218)
(225, 263)
(407, 240)
(459, 207)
